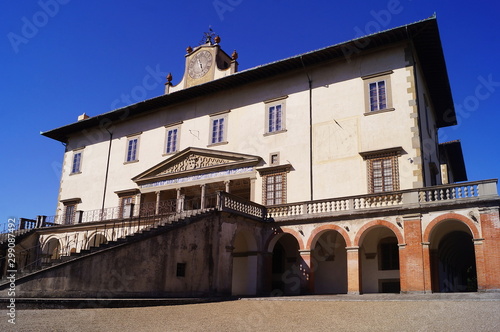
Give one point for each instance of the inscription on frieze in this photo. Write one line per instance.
(193, 162)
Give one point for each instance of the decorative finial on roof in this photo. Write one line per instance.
(208, 37)
(169, 77)
(189, 49)
(217, 39)
(234, 56)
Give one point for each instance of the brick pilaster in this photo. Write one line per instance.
(412, 275)
(489, 274)
(353, 271)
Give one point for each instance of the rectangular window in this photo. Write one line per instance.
(275, 189)
(69, 214)
(274, 159)
(172, 141)
(275, 116)
(132, 152)
(76, 166)
(378, 92)
(181, 270)
(126, 206)
(383, 174)
(378, 97)
(218, 129)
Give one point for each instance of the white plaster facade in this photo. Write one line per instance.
(342, 129)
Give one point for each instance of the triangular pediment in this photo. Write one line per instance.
(193, 161)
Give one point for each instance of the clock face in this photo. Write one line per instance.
(200, 64)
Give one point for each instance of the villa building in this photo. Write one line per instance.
(318, 174)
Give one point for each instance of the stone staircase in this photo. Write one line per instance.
(164, 225)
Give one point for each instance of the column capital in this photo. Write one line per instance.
(478, 241)
(352, 248)
(488, 209)
(412, 216)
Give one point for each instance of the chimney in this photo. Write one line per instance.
(83, 117)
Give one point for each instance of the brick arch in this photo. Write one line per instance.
(378, 222)
(317, 232)
(451, 216)
(286, 230)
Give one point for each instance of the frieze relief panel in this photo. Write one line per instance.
(193, 162)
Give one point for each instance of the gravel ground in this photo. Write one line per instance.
(292, 314)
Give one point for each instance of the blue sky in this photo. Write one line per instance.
(61, 58)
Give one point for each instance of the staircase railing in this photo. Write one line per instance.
(87, 239)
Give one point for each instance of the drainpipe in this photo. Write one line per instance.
(311, 176)
(107, 172)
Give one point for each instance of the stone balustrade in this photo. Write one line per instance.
(412, 197)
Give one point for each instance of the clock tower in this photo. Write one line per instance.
(204, 63)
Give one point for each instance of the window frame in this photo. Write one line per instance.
(274, 159)
(275, 200)
(169, 129)
(274, 103)
(125, 201)
(135, 137)
(70, 210)
(220, 139)
(376, 79)
(391, 154)
(394, 174)
(79, 153)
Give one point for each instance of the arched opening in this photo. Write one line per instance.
(96, 240)
(379, 261)
(286, 275)
(244, 277)
(453, 261)
(330, 264)
(52, 250)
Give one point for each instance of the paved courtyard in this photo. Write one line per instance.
(436, 312)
